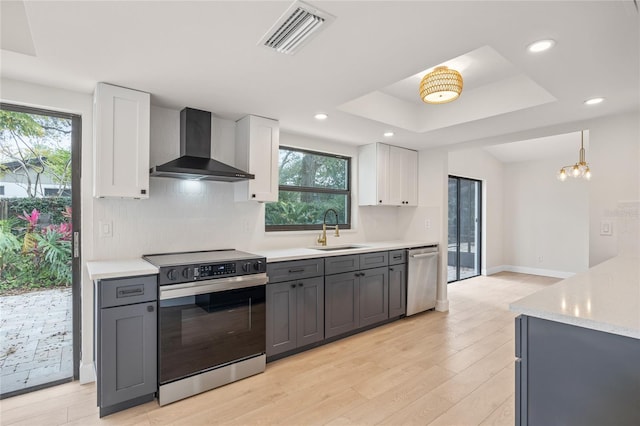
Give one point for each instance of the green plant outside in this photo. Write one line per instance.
(45, 262)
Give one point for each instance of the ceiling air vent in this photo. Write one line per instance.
(295, 28)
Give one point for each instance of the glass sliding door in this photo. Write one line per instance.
(39, 258)
(465, 205)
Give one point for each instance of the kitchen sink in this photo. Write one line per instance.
(335, 248)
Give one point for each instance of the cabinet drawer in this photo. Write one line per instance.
(295, 270)
(374, 260)
(126, 291)
(397, 257)
(340, 264)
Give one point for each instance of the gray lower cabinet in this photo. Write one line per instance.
(397, 290)
(397, 283)
(373, 287)
(295, 308)
(125, 342)
(359, 298)
(341, 303)
(569, 375)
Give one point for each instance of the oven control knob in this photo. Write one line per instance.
(185, 273)
(257, 265)
(246, 267)
(172, 274)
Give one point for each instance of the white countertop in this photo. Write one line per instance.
(101, 269)
(604, 298)
(280, 255)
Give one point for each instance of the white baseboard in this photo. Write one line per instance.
(87, 373)
(442, 305)
(493, 270)
(531, 271)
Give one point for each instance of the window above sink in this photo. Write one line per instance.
(310, 183)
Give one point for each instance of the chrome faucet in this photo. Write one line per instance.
(322, 238)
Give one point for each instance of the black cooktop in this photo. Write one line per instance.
(197, 257)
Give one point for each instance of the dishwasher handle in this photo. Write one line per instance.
(422, 255)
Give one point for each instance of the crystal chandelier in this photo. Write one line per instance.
(440, 86)
(578, 170)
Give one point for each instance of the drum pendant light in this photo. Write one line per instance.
(440, 86)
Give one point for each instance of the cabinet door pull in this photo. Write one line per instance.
(300, 284)
(150, 308)
(391, 269)
(296, 271)
(293, 286)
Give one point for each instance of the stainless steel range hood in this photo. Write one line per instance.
(195, 160)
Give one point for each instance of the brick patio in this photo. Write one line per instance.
(35, 339)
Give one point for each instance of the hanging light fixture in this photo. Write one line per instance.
(440, 86)
(578, 170)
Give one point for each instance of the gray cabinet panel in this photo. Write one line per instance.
(397, 257)
(295, 314)
(295, 270)
(397, 290)
(281, 317)
(341, 264)
(374, 260)
(128, 357)
(126, 291)
(373, 289)
(571, 375)
(341, 303)
(310, 311)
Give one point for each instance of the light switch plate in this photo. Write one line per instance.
(105, 229)
(606, 228)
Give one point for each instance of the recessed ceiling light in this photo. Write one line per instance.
(541, 46)
(321, 116)
(593, 101)
(388, 134)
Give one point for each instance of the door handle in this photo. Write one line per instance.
(422, 255)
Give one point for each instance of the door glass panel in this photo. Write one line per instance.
(36, 271)
(452, 253)
(464, 228)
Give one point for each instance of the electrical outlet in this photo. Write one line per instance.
(427, 223)
(105, 229)
(540, 259)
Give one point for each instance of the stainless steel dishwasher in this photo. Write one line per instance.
(422, 281)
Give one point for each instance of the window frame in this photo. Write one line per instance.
(291, 188)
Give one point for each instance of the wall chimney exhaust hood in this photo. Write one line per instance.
(195, 160)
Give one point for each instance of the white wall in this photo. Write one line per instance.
(614, 190)
(480, 165)
(561, 221)
(546, 221)
(428, 221)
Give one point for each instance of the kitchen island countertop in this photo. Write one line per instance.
(101, 269)
(604, 298)
(281, 255)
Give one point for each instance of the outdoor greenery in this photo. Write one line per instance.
(35, 231)
(32, 256)
(34, 146)
(310, 183)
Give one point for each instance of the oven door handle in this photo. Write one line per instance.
(212, 286)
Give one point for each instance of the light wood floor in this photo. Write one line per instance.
(434, 368)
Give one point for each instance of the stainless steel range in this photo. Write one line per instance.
(211, 320)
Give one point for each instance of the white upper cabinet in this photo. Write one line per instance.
(121, 142)
(387, 176)
(257, 146)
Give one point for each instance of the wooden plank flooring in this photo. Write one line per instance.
(434, 368)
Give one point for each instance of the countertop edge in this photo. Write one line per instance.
(283, 255)
(578, 322)
(606, 298)
(103, 269)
